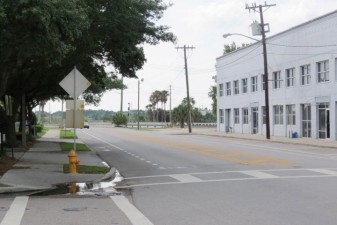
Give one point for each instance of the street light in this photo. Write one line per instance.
(265, 64)
(139, 81)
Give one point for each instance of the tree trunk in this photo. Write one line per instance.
(23, 121)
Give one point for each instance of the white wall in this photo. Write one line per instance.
(290, 49)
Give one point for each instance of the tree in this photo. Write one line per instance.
(233, 47)
(163, 99)
(180, 113)
(41, 41)
(213, 95)
(119, 119)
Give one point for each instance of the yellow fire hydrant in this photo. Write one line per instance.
(73, 161)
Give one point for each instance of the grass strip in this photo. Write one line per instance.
(66, 147)
(84, 169)
(3, 185)
(66, 134)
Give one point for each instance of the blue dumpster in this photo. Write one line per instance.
(294, 135)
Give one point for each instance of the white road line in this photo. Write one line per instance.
(134, 215)
(106, 142)
(15, 213)
(259, 174)
(186, 178)
(324, 171)
(226, 180)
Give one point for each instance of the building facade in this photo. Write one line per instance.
(302, 79)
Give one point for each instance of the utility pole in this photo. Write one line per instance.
(265, 62)
(187, 88)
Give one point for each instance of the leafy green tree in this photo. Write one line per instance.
(41, 41)
(179, 115)
(233, 47)
(213, 95)
(119, 119)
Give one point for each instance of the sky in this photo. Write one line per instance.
(201, 24)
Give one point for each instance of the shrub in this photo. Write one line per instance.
(119, 119)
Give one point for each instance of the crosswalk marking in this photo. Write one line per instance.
(252, 175)
(259, 174)
(15, 213)
(134, 215)
(324, 171)
(186, 178)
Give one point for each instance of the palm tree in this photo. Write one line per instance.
(154, 99)
(163, 99)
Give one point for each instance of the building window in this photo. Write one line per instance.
(244, 85)
(236, 116)
(221, 116)
(254, 84)
(277, 79)
(245, 115)
(220, 90)
(236, 87)
(290, 77)
(278, 114)
(305, 74)
(291, 114)
(228, 88)
(263, 115)
(263, 82)
(323, 71)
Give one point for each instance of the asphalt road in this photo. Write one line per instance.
(198, 179)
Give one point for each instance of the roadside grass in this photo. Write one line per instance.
(41, 133)
(84, 169)
(66, 134)
(65, 147)
(3, 185)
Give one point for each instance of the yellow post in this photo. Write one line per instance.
(73, 161)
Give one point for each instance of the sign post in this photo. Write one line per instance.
(75, 84)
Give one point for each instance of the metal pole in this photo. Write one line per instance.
(265, 63)
(138, 103)
(74, 115)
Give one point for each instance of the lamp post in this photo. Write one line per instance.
(139, 81)
(265, 65)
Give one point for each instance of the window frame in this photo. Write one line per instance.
(221, 89)
(277, 79)
(254, 86)
(236, 115)
(323, 76)
(236, 87)
(290, 77)
(278, 114)
(221, 116)
(291, 114)
(245, 115)
(244, 85)
(228, 88)
(305, 71)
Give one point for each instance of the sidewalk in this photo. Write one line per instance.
(213, 132)
(41, 167)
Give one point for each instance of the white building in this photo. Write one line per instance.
(302, 72)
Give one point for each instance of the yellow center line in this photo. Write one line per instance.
(214, 152)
